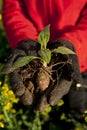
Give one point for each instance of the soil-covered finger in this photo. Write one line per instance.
(59, 91)
(42, 104)
(42, 101)
(17, 84)
(27, 98)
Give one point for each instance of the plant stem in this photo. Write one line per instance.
(45, 64)
(17, 126)
(8, 119)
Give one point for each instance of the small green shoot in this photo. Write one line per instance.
(44, 53)
(44, 37)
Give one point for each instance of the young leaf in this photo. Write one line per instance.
(63, 50)
(44, 37)
(22, 61)
(45, 55)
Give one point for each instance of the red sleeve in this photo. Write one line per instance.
(17, 25)
(78, 37)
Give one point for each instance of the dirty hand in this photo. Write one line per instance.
(27, 47)
(72, 82)
(70, 73)
(66, 75)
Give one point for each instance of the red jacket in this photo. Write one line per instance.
(24, 19)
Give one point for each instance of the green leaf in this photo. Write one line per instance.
(45, 55)
(22, 61)
(44, 37)
(63, 50)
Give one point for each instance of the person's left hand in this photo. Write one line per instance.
(27, 47)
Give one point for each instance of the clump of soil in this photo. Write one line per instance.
(38, 78)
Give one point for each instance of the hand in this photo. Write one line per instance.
(28, 47)
(70, 72)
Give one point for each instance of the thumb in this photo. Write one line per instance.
(59, 91)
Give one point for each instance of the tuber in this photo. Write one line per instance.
(42, 80)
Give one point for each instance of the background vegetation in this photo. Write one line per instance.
(15, 116)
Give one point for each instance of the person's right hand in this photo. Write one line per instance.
(25, 48)
(66, 75)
